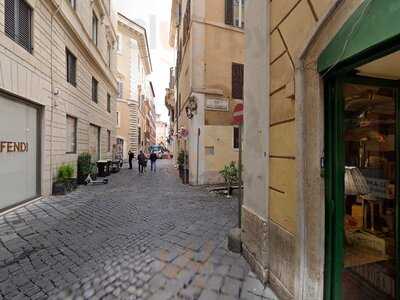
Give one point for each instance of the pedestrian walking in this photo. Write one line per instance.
(142, 162)
(131, 156)
(153, 160)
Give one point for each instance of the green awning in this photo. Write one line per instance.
(374, 22)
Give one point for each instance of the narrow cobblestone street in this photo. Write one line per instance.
(139, 237)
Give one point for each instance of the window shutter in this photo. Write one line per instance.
(237, 81)
(24, 25)
(9, 15)
(94, 89)
(229, 12)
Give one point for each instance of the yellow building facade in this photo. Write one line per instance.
(297, 232)
(210, 55)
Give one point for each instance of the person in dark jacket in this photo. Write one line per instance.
(142, 162)
(153, 159)
(131, 157)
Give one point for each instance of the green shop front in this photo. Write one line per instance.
(360, 69)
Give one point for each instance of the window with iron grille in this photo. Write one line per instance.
(237, 81)
(95, 24)
(18, 22)
(95, 85)
(234, 13)
(71, 67)
(109, 103)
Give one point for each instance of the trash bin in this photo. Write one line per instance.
(103, 166)
(115, 166)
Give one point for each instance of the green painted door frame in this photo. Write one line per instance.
(334, 179)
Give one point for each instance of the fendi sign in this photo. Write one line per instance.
(9, 147)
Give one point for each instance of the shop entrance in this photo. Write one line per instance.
(362, 155)
(19, 152)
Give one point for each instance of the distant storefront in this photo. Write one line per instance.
(19, 152)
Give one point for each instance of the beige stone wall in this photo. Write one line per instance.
(133, 67)
(28, 76)
(292, 23)
(206, 69)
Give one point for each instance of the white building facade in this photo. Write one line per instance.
(133, 68)
(57, 90)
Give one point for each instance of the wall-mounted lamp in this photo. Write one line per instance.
(191, 107)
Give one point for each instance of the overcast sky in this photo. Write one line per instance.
(154, 15)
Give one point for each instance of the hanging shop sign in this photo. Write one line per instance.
(217, 104)
(11, 147)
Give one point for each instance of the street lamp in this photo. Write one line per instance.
(191, 107)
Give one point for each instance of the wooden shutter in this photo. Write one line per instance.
(71, 68)
(94, 90)
(237, 81)
(109, 103)
(9, 15)
(24, 25)
(94, 28)
(229, 12)
(18, 22)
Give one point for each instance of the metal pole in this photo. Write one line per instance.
(197, 162)
(240, 177)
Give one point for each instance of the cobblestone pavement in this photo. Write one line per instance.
(139, 237)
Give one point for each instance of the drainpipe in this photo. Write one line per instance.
(53, 92)
(177, 108)
(300, 81)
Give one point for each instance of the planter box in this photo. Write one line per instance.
(63, 188)
(59, 189)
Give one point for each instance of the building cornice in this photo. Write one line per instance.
(138, 33)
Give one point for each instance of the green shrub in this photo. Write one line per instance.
(84, 166)
(65, 173)
(230, 173)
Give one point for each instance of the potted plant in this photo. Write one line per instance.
(181, 163)
(84, 167)
(230, 173)
(65, 181)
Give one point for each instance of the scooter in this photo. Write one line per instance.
(90, 181)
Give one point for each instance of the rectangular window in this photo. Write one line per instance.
(109, 103)
(71, 134)
(120, 89)
(109, 55)
(95, 24)
(139, 136)
(72, 3)
(71, 67)
(108, 140)
(237, 81)
(95, 85)
(18, 22)
(236, 138)
(234, 13)
(119, 43)
(118, 119)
